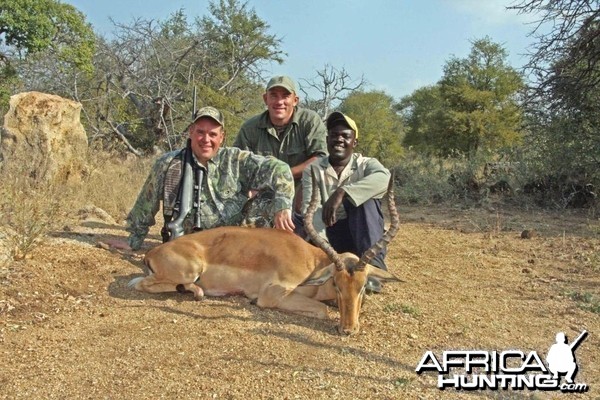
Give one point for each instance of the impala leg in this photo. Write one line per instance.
(275, 296)
(150, 284)
(192, 287)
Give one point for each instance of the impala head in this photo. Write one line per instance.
(347, 271)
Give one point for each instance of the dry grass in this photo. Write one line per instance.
(71, 329)
(112, 182)
(32, 206)
(29, 208)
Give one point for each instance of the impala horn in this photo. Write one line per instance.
(389, 234)
(310, 229)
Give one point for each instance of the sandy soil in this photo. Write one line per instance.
(71, 329)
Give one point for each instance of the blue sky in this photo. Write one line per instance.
(398, 45)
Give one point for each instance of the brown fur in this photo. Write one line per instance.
(269, 265)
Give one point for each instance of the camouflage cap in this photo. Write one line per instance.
(210, 112)
(282, 81)
(338, 116)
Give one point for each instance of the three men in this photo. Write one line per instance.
(351, 186)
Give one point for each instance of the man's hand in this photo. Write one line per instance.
(298, 169)
(283, 220)
(118, 244)
(331, 205)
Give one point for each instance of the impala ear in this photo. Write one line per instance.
(319, 277)
(382, 274)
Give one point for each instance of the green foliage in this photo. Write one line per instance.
(8, 79)
(563, 141)
(239, 39)
(25, 24)
(426, 179)
(380, 128)
(472, 108)
(31, 26)
(396, 308)
(401, 382)
(586, 301)
(424, 113)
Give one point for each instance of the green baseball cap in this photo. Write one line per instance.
(337, 116)
(210, 112)
(282, 81)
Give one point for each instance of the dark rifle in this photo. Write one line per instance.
(198, 188)
(185, 202)
(578, 340)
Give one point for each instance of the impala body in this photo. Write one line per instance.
(276, 268)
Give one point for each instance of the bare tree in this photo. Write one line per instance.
(563, 104)
(333, 86)
(573, 33)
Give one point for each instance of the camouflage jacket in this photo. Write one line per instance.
(231, 174)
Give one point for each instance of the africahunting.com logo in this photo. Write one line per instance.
(509, 369)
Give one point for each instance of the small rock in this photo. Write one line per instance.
(528, 234)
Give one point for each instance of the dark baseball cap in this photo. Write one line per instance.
(341, 117)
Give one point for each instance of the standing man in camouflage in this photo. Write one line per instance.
(229, 175)
(292, 134)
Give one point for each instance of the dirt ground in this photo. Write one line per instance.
(71, 329)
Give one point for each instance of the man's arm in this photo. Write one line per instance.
(315, 143)
(331, 206)
(298, 169)
(141, 216)
(373, 184)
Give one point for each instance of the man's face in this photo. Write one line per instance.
(280, 104)
(341, 142)
(207, 137)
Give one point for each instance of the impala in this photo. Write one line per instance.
(275, 268)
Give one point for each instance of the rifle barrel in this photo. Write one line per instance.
(579, 339)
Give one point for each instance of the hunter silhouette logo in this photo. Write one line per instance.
(561, 356)
(509, 369)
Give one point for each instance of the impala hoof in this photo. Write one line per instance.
(348, 331)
